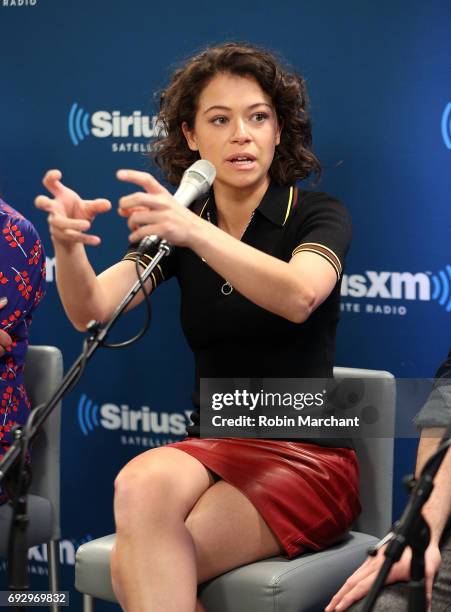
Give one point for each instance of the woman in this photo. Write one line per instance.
(258, 262)
(22, 286)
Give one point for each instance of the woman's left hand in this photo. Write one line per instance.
(155, 211)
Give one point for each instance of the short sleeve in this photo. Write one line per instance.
(437, 410)
(324, 227)
(22, 271)
(163, 271)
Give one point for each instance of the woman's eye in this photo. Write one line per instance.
(259, 117)
(221, 120)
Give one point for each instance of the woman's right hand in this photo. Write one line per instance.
(69, 215)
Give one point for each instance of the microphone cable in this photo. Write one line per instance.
(147, 322)
(117, 345)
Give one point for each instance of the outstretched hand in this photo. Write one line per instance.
(360, 582)
(154, 211)
(70, 216)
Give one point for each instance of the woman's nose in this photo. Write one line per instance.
(240, 133)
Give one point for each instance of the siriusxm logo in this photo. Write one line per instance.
(423, 286)
(104, 124)
(37, 556)
(67, 549)
(114, 417)
(446, 125)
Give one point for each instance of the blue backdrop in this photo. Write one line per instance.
(380, 86)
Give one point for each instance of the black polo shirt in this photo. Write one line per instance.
(230, 336)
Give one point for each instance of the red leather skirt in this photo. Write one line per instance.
(307, 494)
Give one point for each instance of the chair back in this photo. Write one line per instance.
(43, 372)
(375, 455)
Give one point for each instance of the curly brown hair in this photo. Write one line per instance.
(293, 159)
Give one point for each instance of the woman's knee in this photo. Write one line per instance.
(160, 484)
(144, 481)
(150, 487)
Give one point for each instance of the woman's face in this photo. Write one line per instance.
(236, 129)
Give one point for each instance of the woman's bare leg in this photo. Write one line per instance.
(153, 563)
(176, 528)
(228, 532)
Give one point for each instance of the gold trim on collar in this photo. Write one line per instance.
(290, 202)
(203, 208)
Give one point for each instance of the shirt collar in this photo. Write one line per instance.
(276, 204)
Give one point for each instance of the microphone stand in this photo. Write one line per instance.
(17, 553)
(411, 530)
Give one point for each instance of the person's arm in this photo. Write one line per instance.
(437, 509)
(85, 296)
(22, 274)
(291, 290)
(433, 419)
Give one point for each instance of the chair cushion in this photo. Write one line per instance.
(92, 568)
(304, 584)
(300, 585)
(40, 514)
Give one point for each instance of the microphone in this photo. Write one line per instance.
(196, 181)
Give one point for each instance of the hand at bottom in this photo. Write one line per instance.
(360, 582)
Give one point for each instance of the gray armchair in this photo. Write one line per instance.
(43, 372)
(304, 584)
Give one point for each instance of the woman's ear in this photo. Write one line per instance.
(190, 137)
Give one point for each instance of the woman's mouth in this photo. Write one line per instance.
(242, 161)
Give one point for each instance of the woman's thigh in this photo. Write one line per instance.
(228, 531)
(164, 480)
